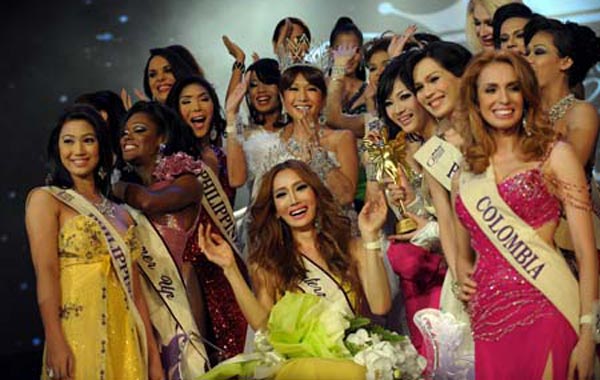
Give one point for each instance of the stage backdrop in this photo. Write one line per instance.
(55, 50)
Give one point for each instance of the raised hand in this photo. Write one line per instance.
(255, 56)
(234, 50)
(216, 249)
(373, 215)
(398, 41)
(235, 98)
(343, 54)
(126, 99)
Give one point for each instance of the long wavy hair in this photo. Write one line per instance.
(479, 144)
(272, 247)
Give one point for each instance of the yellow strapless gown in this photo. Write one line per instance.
(96, 318)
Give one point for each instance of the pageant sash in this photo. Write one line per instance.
(538, 262)
(166, 281)
(117, 249)
(217, 205)
(440, 158)
(322, 284)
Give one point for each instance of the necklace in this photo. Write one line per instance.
(106, 207)
(560, 108)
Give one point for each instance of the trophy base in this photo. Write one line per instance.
(405, 226)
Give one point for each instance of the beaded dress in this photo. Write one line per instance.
(515, 327)
(97, 322)
(226, 325)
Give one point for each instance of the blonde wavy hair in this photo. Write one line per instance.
(490, 6)
(534, 138)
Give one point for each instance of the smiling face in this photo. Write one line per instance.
(263, 97)
(78, 148)
(403, 108)
(295, 201)
(160, 78)
(483, 26)
(545, 60)
(377, 62)
(196, 109)
(512, 36)
(437, 89)
(303, 99)
(140, 139)
(500, 96)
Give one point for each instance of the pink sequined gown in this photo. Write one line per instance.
(515, 327)
(421, 275)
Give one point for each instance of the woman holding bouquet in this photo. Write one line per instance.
(301, 242)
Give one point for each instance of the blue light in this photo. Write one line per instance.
(36, 341)
(123, 19)
(105, 37)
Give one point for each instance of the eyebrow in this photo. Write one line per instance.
(84, 135)
(284, 187)
(203, 93)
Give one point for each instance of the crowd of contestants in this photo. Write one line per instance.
(144, 271)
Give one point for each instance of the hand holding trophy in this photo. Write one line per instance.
(387, 159)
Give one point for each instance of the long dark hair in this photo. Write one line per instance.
(218, 119)
(267, 71)
(179, 66)
(112, 104)
(58, 174)
(272, 247)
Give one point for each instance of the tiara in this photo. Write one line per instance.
(299, 53)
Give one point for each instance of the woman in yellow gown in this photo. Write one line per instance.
(83, 249)
(299, 241)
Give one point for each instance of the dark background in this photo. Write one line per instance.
(53, 51)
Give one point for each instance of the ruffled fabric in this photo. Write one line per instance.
(175, 165)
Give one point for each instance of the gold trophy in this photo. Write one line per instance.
(386, 156)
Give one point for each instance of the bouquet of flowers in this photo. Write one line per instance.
(303, 325)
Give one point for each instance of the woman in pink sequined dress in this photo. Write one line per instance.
(197, 104)
(519, 331)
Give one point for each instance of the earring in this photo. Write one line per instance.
(128, 168)
(526, 126)
(48, 180)
(213, 135)
(161, 148)
(318, 225)
(322, 119)
(102, 173)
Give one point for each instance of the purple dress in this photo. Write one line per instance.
(515, 327)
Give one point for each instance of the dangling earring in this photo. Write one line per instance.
(525, 125)
(128, 168)
(49, 178)
(161, 148)
(102, 173)
(318, 225)
(322, 119)
(213, 135)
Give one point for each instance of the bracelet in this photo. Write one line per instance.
(586, 319)
(456, 288)
(320, 163)
(372, 245)
(237, 65)
(338, 72)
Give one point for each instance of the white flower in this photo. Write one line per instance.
(360, 338)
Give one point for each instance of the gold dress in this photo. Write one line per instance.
(96, 318)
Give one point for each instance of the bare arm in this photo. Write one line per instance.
(441, 202)
(583, 131)
(564, 164)
(342, 181)
(155, 369)
(371, 268)
(236, 159)
(335, 117)
(184, 191)
(255, 308)
(42, 216)
(236, 75)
